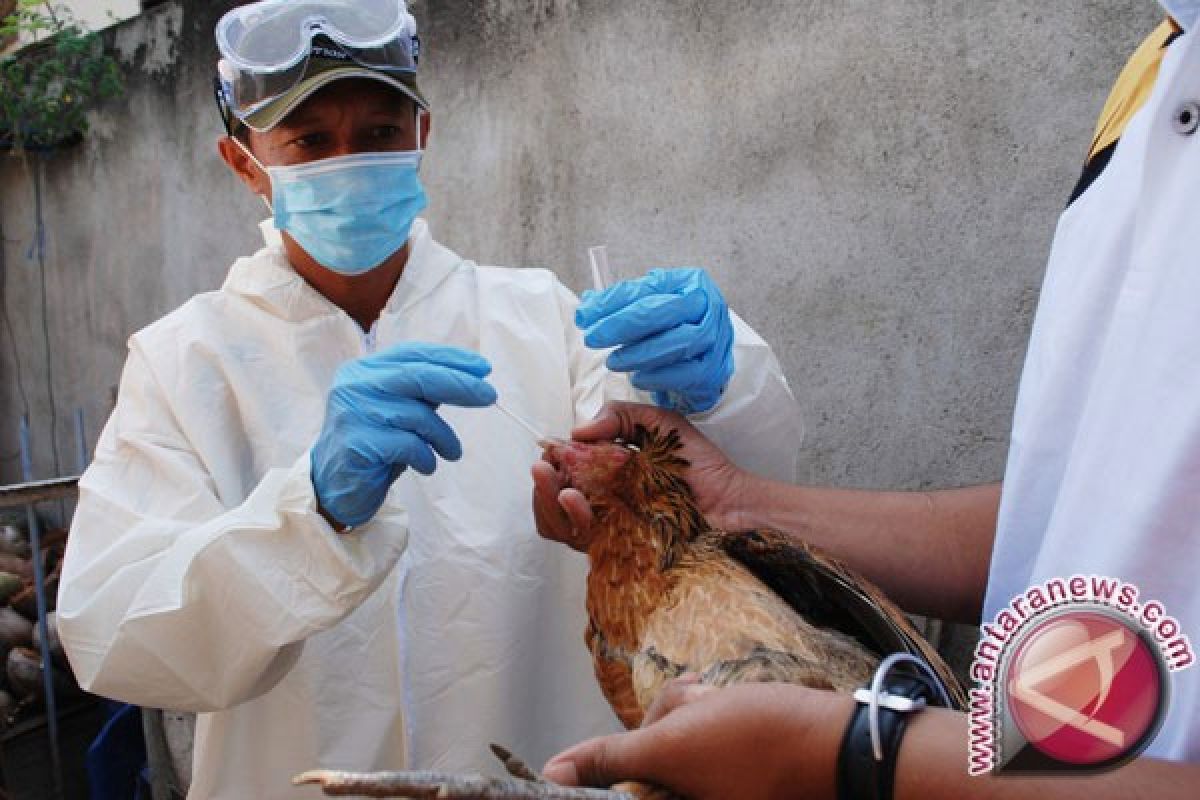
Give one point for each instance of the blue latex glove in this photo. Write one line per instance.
(381, 417)
(672, 330)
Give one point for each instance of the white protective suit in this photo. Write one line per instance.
(199, 575)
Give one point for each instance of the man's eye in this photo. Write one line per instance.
(386, 132)
(309, 140)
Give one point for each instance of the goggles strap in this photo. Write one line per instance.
(258, 164)
(223, 105)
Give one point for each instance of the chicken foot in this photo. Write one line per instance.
(525, 784)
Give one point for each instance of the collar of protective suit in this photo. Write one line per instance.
(269, 280)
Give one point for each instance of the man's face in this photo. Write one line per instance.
(346, 117)
(357, 115)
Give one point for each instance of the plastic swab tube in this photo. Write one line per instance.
(601, 276)
(601, 280)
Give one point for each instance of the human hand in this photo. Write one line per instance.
(381, 418)
(563, 514)
(748, 741)
(672, 331)
(717, 482)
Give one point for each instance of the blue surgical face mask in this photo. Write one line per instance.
(350, 212)
(1185, 12)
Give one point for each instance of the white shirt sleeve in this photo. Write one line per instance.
(172, 600)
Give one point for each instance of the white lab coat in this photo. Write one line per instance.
(1103, 475)
(199, 576)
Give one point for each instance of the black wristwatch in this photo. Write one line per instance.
(866, 768)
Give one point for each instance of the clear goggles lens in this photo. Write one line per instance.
(274, 35)
(266, 46)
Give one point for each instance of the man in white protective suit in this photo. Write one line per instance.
(262, 536)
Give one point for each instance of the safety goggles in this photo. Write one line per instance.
(266, 47)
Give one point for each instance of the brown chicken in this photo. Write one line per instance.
(667, 595)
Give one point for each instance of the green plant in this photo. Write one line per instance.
(47, 87)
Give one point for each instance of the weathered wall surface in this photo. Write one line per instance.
(874, 184)
(92, 14)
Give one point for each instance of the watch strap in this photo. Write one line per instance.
(859, 775)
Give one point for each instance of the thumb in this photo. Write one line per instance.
(577, 508)
(599, 762)
(606, 426)
(619, 419)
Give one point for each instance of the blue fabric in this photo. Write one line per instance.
(1185, 12)
(117, 757)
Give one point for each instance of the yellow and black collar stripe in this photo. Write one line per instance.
(1130, 93)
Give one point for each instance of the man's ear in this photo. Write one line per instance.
(243, 166)
(426, 126)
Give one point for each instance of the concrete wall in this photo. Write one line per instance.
(92, 14)
(96, 14)
(874, 184)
